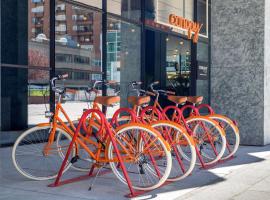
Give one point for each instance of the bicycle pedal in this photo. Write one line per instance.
(74, 159)
(141, 170)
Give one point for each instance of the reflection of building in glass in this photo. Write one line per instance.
(113, 55)
(69, 20)
(78, 44)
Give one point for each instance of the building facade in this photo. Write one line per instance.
(191, 46)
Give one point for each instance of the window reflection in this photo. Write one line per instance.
(178, 67)
(94, 3)
(78, 53)
(123, 55)
(202, 15)
(159, 10)
(38, 60)
(129, 9)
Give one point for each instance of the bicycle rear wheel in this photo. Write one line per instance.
(180, 143)
(34, 159)
(145, 154)
(209, 138)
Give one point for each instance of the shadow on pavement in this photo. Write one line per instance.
(109, 187)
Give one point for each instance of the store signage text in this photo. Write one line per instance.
(202, 70)
(190, 26)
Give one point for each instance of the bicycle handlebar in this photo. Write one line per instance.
(160, 91)
(105, 82)
(59, 77)
(153, 84)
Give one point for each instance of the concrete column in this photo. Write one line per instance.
(130, 69)
(240, 74)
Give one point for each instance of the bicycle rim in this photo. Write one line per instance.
(209, 138)
(145, 155)
(232, 135)
(181, 144)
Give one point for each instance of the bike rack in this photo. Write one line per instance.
(58, 182)
(75, 136)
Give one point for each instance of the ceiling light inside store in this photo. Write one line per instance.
(174, 55)
(133, 30)
(126, 52)
(181, 42)
(84, 18)
(167, 39)
(187, 52)
(176, 50)
(111, 25)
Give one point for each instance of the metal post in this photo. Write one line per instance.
(52, 52)
(104, 48)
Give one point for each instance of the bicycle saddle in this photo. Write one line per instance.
(177, 99)
(138, 101)
(195, 99)
(107, 100)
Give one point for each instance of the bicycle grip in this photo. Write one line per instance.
(111, 82)
(170, 92)
(156, 83)
(63, 76)
(150, 93)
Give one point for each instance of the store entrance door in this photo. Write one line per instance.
(168, 59)
(178, 65)
(155, 57)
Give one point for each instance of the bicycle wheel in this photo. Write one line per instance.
(209, 138)
(180, 142)
(146, 156)
(232, 134)
(32, 160)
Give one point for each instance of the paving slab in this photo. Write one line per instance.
(246, 173)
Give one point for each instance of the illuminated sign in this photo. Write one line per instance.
(188, 25)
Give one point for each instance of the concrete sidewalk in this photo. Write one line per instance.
(246, 177)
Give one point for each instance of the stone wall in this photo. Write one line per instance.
(267, 73)
(237, 67)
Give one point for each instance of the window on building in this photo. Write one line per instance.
(129, 9)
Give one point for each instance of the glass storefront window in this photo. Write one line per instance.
(202, 85)
(123, 55)
(38, 61)
(94, 3)
(178, 65)
(159, 10)
(78, 53)
(202, 15)
(157, 13)
(129, 9)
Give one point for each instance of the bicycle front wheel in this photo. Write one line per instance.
(209, 139)
(145, 154)
(181, 143)
(35, 159)
(232, 134)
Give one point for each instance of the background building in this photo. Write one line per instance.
(125, 40)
